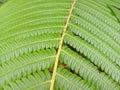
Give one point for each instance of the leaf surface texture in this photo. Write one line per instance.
(59, 45)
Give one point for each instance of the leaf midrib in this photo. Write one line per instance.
(60, 46)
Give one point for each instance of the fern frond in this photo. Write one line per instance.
(96, 32)
(101, 7)
(94, 55)
(28, 32)
(68, 81)
(112, 2)
(96, 42)
(28, 10)
(37, 81)
(59, 45)
(23, 65)
(84, 5)
(86, 70)
(23, 46)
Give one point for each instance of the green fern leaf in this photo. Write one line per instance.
(59, 45)
(116, 11)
